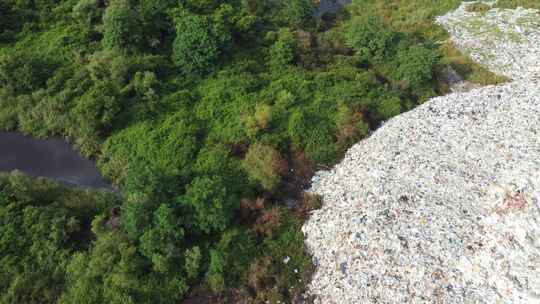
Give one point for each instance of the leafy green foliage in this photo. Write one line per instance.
(415, 66)
(120, 26)
(43, 225)
(298, 12)
(282, 53)
(166, 148)
(210, 203)
(370, 37)
(198, 43)
(23, 73)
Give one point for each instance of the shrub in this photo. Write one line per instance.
(271, 278)
(210, 203)
(370, 37)
(478, 7)
(198, 44)
(467, 68)
(388, 107)
(262, 165)
(23, 73)
(193, 262)
(415, 66)
(516, 3)
(87, 11)
(350, 126)
(215, 276)
(282, 51)
(121, 26)
(297, 12)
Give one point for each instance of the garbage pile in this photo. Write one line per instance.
(442, 203)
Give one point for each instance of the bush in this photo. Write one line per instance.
(262, 163)
(415, 66)
(167, 149)
(350, 126)
(210, 203)
(298, 12)
(389, 107)
(23, 73)
(43, 226)
(270, 277)
(198, 44)
(215, 275)
(478, 7)
(370, 37)
(121, 26)
(282, 52)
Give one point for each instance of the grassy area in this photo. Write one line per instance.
(414, 16)
(469, 69)
(517, 3)
(418, 18)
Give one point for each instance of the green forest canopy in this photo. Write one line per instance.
(210, 115)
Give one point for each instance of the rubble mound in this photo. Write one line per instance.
(441, 204)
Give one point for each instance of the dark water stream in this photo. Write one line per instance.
(51, 158)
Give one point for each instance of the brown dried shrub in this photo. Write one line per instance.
(258, 273)
(249, 207)
(308, 203)
(268, 222)
(477, 7)
(302, 168)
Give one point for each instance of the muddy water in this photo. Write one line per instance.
(51, 158)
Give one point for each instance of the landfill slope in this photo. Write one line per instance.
(442, 204)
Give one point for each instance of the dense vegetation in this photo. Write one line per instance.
(43, 226)
(211, 115)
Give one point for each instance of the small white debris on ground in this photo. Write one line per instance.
(442, 204)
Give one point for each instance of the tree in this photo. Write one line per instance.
(193, 262)
(34, 249)
(161, 241)
(121, 26)
(217, 160)
(297, 12)
(97, 109)
(42, 226)
(283, 50)
(87, 11)
(197, 45)
(114, 271)
(23, 73)
(156, 22)
(210, 204)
